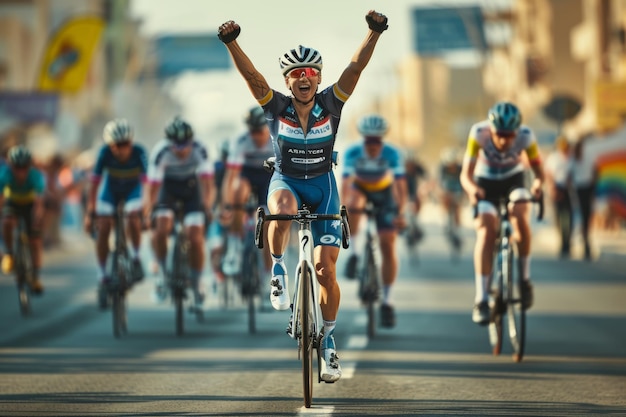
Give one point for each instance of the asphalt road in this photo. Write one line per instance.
(64, 359)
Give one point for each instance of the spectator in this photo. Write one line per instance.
(558, 175)
(583, 179)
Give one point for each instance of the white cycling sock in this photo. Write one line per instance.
(482, 288)
(278, 261)
(386, 294)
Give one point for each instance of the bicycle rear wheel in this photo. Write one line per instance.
(369, 290)
(516, 313)
(496, 309)
(306, 337)
(23, 273)
(178, 282)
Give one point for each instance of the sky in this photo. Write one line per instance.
(269, 28)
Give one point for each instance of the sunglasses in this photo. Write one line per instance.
(122, 144)
(180, 146)
(303, 72)
(507, 134)
(373, 140)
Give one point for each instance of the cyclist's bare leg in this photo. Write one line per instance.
(355, 202)
(162, 230)
(486, 226)
(133, 229)
(521, 227)
(105, 223)
(240, 196)
(325, 268)
(389, 259)
(36, 252)
(196, 240)
(280, 202)
(8, 224)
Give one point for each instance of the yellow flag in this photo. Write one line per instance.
(68, 55)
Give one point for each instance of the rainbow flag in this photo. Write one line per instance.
(611, 173)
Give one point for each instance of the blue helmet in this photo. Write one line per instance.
(505, 116)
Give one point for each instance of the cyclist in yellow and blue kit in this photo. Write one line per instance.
(492, 169)
(375, 171)
(117, 175)
(22, 188)
(303, 128)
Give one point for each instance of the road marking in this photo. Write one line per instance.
(357, 342)
(316, 410)
(347, 369)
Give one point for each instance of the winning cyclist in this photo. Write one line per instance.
(179, 170)
(118, 175)
(493, 168)
(245, 175)
(374, 171)
(303, 128)
(22, 187)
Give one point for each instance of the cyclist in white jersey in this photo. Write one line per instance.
(374, 171)
(493, 168)
(179, 170)
(304, 127)
(245, 175)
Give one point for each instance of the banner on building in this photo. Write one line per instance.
(69, 53)
(610, 104)
(178, 53)
(609, 159)
(444, 29)
(29, 107)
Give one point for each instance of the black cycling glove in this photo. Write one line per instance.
(375, 26)
(230, 36)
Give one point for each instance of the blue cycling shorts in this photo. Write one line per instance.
(321, 195)
(107, 200)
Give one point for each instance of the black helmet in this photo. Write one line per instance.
(256, 118)
(19, 156)
(179, 131)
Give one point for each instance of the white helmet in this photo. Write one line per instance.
(116, 131)
(299, 58)
(373, 125)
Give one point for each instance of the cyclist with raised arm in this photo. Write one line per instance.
(118, 174)
(245, 175)
(374, 171)
(22, 188)
(493, 169)
(303, 128)
(179, 170)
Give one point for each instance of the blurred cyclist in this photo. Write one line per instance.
(303, 129)
(245, 175)
(118, 175)
(374, 171)
(22, 187)
(416, 173)
(492, 168)
(179, 170)
(450, 166)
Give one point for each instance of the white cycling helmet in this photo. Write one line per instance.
(373, 125)
(116, 131)
(300, 57)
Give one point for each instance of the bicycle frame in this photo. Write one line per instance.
(305, 326)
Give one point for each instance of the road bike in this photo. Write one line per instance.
(178, 278)
(121, 274)
(305, 324)
(368, 268)
(23, 267)
(508, 298)
(452, 229)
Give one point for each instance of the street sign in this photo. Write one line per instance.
(445, 29)
(562, 108)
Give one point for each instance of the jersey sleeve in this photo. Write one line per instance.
(205, 167)
(98, 169)
(236, 156)
(532, 149)
(4, 180)
(156, 167)
(396, 163)
(39, 182)
(473, 147)
(143, 161)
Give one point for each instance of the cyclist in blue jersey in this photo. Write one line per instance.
(374, 171)
(450, 165)
(303, 128)
(118, 174)
(22, 187)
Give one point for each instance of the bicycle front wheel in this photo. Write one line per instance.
(306, 327)
(515, 311)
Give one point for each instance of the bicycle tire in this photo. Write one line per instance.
(495, 322)
(369, 292)
(516, 313)
(250, 280)
(23, 273)
(306, 337)
(177, 283)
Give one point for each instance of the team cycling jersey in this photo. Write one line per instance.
(373, 174)
(304, 153)
(244, 153)
(164, 165)
(24, 193)
(450, 177)
(496, 165)
(120, 177)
